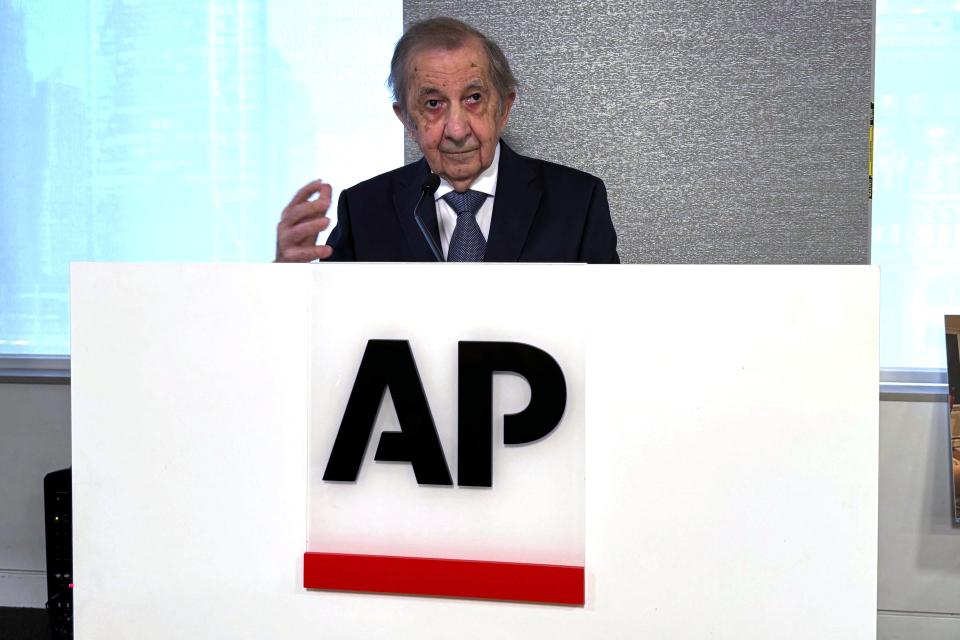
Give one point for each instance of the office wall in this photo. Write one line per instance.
(726, 132)
(34, 440)
(919, 550)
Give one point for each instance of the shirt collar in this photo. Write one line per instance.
(486, 182)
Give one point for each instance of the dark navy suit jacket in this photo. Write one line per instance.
(542, 212)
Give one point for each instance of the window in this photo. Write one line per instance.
(174, 131)
(916, 188)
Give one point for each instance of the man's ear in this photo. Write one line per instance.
(505, 106)
(397, 111)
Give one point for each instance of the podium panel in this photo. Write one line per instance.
(449, 355)
(729, 465)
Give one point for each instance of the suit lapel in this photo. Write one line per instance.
(514, 206)
(405, 196)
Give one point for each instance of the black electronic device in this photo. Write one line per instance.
(58, 517)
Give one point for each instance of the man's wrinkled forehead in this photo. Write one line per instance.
(424, 60)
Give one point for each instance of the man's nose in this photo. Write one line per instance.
(457, 128)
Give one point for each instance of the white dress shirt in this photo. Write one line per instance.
(486, 183)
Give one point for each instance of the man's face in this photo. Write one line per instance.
(453, 111)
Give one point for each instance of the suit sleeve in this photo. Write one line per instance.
(341, 238)
(598, 244)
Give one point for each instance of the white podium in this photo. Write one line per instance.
(730, 444)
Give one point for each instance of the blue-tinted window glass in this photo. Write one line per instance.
(916, 201)
(174, 131)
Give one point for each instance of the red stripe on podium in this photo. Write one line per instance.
(544, 583)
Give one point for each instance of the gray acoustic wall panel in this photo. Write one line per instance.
(727, 132)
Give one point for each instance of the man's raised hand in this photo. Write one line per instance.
(301, 222)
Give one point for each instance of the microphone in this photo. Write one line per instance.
(430, 185)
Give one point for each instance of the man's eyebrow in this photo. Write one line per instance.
(427, 91)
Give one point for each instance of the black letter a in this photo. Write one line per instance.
(388, 364)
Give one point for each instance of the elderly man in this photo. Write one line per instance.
(453, 90)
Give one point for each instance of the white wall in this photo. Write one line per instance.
(919, 563)
(34, 440)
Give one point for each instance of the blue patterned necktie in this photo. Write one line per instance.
(467, 243)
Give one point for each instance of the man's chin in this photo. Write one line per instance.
(465, 166)
(461, 173)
